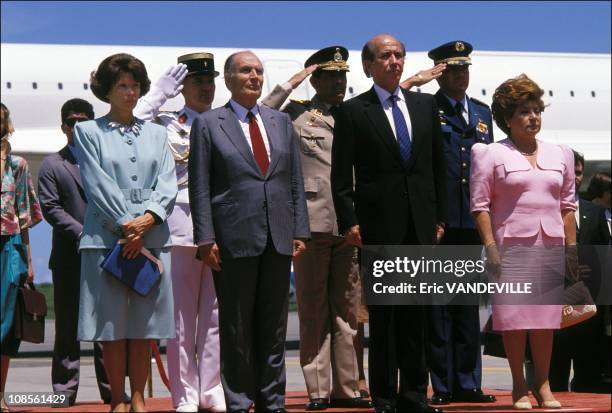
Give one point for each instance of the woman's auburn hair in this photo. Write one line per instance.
(512, 93)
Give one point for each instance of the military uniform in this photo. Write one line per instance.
(193, 356)
(327, 273)
(454, 347)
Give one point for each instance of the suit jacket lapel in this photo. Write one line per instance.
(70, 164)
(374, 111)
(271, 123)
(473, 115)
(449, 112)
(231, 127)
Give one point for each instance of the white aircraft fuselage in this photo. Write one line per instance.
(37, 79)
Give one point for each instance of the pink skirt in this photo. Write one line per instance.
(535, 268)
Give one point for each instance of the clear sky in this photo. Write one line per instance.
(517, 26)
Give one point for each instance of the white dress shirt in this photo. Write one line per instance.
(241, 113)
(465, 113)
(383, 95)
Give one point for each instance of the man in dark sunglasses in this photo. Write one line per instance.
(63, 203)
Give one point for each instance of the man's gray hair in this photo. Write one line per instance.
(229, 62)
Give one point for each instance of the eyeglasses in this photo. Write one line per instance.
(70, 122)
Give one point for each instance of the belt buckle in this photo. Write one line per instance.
(136, 195)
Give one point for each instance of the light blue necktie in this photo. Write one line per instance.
(401, 129)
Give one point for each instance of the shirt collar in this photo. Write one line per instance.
(383, 95)
(453, 102)
(241, 111)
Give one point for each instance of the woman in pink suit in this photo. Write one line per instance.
(522, 194)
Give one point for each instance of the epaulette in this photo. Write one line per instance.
(478, 102)
(304, 102)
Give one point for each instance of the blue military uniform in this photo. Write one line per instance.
(458, 140)
(454, 348)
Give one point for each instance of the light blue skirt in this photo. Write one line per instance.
(109, 310)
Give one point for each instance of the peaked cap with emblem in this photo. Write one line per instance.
(199, 63)
(452, 53)
(331, 58)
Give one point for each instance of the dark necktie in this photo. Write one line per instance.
(259, 149)
(401, 129)
(333, 111)
(459, 109)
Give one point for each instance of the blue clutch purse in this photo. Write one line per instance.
(140, 273)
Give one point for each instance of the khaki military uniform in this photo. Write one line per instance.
(327, 273)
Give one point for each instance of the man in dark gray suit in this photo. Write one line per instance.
(249, 218)
(63, 205)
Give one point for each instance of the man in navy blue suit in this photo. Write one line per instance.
(454, 347)
(63, 205)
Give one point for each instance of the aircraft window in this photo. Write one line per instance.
(484, 92)
(571, 93)
(85, 86)
(60, 86)
(34, 85)
(592, 93)
(350, 89)
(550, 93)
(8, 85)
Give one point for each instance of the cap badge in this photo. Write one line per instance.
(337, 55)
(459, 46)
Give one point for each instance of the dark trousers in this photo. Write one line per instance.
(405, 327)
(584, 345)
(253, 296)
(66, 348)
(454, 357)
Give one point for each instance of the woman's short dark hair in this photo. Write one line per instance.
(103, 79)
(510, 95)
(600, 183)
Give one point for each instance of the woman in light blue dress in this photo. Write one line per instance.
(128, 176)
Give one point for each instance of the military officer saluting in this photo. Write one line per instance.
(455, 362)
(327, 273)
(193, 356)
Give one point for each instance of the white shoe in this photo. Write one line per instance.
(187, 408)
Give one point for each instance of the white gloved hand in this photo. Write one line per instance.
(170, 83)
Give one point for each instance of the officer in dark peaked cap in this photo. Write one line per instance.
(455, 359)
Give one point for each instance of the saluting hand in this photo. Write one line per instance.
(299, 77)
(424, 76)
